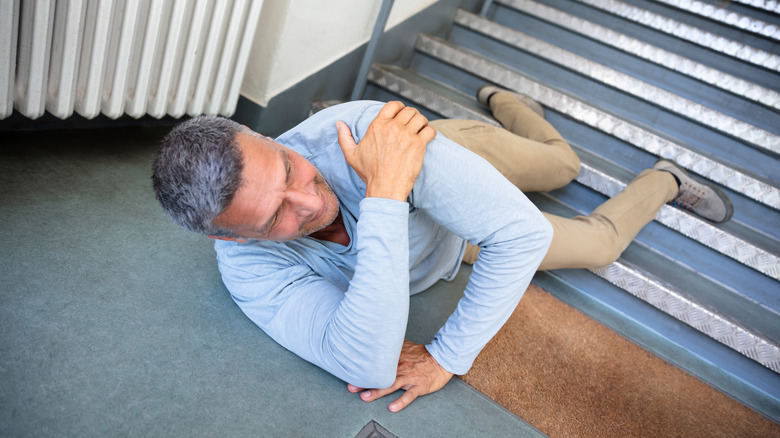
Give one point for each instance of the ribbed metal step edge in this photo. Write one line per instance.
(601, 120)
(654, 292)
(723, 15)
(767, 5)
(739, 129)
(649, 52)
(688, 33)
(642, 285)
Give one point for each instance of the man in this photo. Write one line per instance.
(323, 233)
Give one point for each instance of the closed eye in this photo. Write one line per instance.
(288, 168)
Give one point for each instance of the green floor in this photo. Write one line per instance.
(115, 323)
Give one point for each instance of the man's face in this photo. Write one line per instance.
(282, 195)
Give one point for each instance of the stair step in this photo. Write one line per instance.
(723, 15)
(700, 138)
(742, 378)
(767, 5)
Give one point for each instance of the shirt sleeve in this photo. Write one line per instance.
(355, 334)
(466, 194)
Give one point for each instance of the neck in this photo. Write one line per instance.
(336, 232)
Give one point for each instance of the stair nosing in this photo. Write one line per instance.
(726, 17)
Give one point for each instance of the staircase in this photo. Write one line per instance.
(626, 83)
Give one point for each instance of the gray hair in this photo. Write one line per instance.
(197, 172)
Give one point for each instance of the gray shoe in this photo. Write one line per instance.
(701, 198)
(486, 91)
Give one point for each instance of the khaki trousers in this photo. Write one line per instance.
(531, 154)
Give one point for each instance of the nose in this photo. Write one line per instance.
(303, 202)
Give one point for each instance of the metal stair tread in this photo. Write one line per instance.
(769, 6)
(725, 16)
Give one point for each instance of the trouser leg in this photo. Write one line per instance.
(534, 157)
(599, 239)
(530, 153)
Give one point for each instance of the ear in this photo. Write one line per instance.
(230, 239)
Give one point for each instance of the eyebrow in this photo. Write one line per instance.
(285, 159)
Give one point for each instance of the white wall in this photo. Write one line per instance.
(296, 38)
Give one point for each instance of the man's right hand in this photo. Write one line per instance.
(389, 157)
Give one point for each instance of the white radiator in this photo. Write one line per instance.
(115, 57)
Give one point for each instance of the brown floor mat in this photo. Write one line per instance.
(571, 376)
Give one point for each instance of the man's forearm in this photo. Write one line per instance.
(375, 307)
(388, 158)
(488, 211)
(498, 281)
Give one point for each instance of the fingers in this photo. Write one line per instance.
(409, 116)
(391, 109)
(373, 394)
(409, 395)
(428, 133)
(404, 400)
(412, 118)
(346, 141)
(354, 389)
(417, 374)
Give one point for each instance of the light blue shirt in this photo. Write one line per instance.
(345, 309)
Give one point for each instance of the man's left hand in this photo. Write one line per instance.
(418, 374)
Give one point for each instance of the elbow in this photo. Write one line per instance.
(547, 233)
(539, 232)
(539, 238)
(375, 378)
(546, 238)
(383, 381)
(379, 373)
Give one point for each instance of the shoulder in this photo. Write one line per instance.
(319, 130)
(258, 271)
(255, 258)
